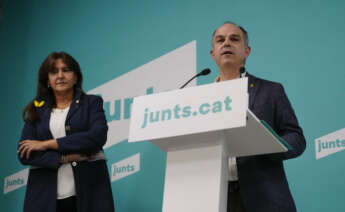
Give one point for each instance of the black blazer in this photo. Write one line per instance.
(86, 133)
(263, 184)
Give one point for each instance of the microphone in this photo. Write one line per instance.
(242, 70)
(204, 72)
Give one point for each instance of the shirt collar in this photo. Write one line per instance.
(244, 74)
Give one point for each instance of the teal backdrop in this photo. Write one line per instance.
(298, 43)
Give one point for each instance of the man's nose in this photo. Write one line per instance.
(227, 42)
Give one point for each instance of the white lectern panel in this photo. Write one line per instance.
(192, 110)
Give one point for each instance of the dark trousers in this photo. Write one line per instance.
(67, 205)
(235, 203)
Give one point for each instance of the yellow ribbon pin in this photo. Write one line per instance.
(38, 104)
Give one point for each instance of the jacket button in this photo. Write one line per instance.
(68, 128)
(74, 163)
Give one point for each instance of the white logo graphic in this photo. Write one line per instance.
(16, 180)
(167, 72)
(330, 144)
(125, 167)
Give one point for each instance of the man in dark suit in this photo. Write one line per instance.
(257, 183)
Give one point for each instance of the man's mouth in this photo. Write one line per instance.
(227, 52)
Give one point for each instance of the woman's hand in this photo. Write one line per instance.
(27, 146)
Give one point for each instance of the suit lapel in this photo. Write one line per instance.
(253, 88)
(45, 119)
(74, 105)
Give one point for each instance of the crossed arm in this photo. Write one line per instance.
(27, 146)
(74, 147)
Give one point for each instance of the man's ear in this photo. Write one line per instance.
(248, 49)
(212, 53)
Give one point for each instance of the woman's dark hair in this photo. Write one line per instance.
(44, 92)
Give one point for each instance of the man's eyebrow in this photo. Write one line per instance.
(235, 35)
(232, 35)
(219, 36)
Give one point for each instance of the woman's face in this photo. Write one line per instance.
(62, 78)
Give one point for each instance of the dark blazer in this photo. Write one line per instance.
(263, 184)
(86, 133)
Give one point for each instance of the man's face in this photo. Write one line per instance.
(229, 46)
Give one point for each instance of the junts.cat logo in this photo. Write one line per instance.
(330, 144)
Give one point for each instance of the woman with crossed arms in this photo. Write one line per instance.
(62, 141)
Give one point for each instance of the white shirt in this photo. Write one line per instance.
(65, 179)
